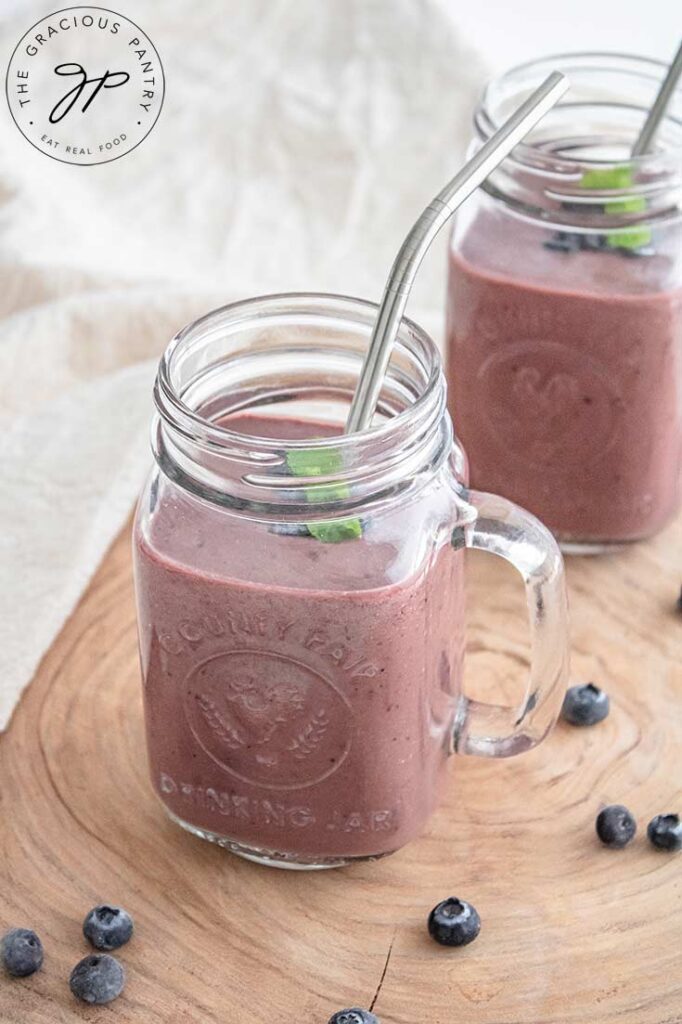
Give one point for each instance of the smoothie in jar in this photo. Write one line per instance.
(299, 694)
(300, 589)
(564, 336)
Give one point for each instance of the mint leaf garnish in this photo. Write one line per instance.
(324, 462)
(333, 533)
(607, 177)
(617, 178)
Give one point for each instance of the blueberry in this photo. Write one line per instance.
(594, 243)
(97, 979)
(354, 1016)
(289, 529)
(454, 922)
(615, 826)
(563, 241)
(585, 705)
(665, 832)
(108, 927)
(22, 952)
(570, 207)
(555, 244)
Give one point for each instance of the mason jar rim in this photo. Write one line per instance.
(226, 364)
(178, 415)
(576, 168)
(616, 61)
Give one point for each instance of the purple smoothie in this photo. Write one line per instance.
(299, 696)
(565, 377)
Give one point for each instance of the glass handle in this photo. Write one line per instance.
(496, 525)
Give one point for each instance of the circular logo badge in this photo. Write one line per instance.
(548, 404)
(85, 85)
(268, 719)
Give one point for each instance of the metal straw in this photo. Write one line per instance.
(656, 114)
(424, 231)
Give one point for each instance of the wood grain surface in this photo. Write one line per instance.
(572, 932)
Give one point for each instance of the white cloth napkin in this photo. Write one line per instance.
(298, 142)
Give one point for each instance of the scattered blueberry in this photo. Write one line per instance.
(354, 1016)
(563, 241)
(557, 245)
(454, 922)
(289, 529)
(108, 927)
(97, 979)
(22, 952)
(615, 826)
(585, 705)
(594, 242)
(570, 207)
(665, 832)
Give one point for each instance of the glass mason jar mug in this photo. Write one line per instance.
(300, 592)
(565, 307)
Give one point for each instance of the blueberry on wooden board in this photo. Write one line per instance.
(615, 826)
(22, 952)
(354, 1016)
(454, 922)
(585, 705)
(665, 832)
(108, 927)
(97, 979)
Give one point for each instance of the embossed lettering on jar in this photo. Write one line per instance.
(565, 309)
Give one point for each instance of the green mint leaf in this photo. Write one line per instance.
(324, 462)
(634, 238)
(607, 177)
(314, 462)
(618, 178)
(633, 204)
(334, 532)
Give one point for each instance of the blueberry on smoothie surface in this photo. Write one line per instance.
(454, 922)
(585, 705)
(615, 826)
(665, 832)
(563, 241)
(22, 952)
(108, 927)
(354, 1016)
(290, 529)
(97, 979)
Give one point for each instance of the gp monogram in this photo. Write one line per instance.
(85, 85)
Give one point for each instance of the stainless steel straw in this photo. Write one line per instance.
(660, 105)
(413, 249)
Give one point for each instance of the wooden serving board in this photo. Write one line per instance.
(572, 932)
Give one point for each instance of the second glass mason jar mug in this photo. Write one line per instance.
(565, 308)
(300, 592)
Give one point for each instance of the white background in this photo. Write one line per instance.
(509, 31)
